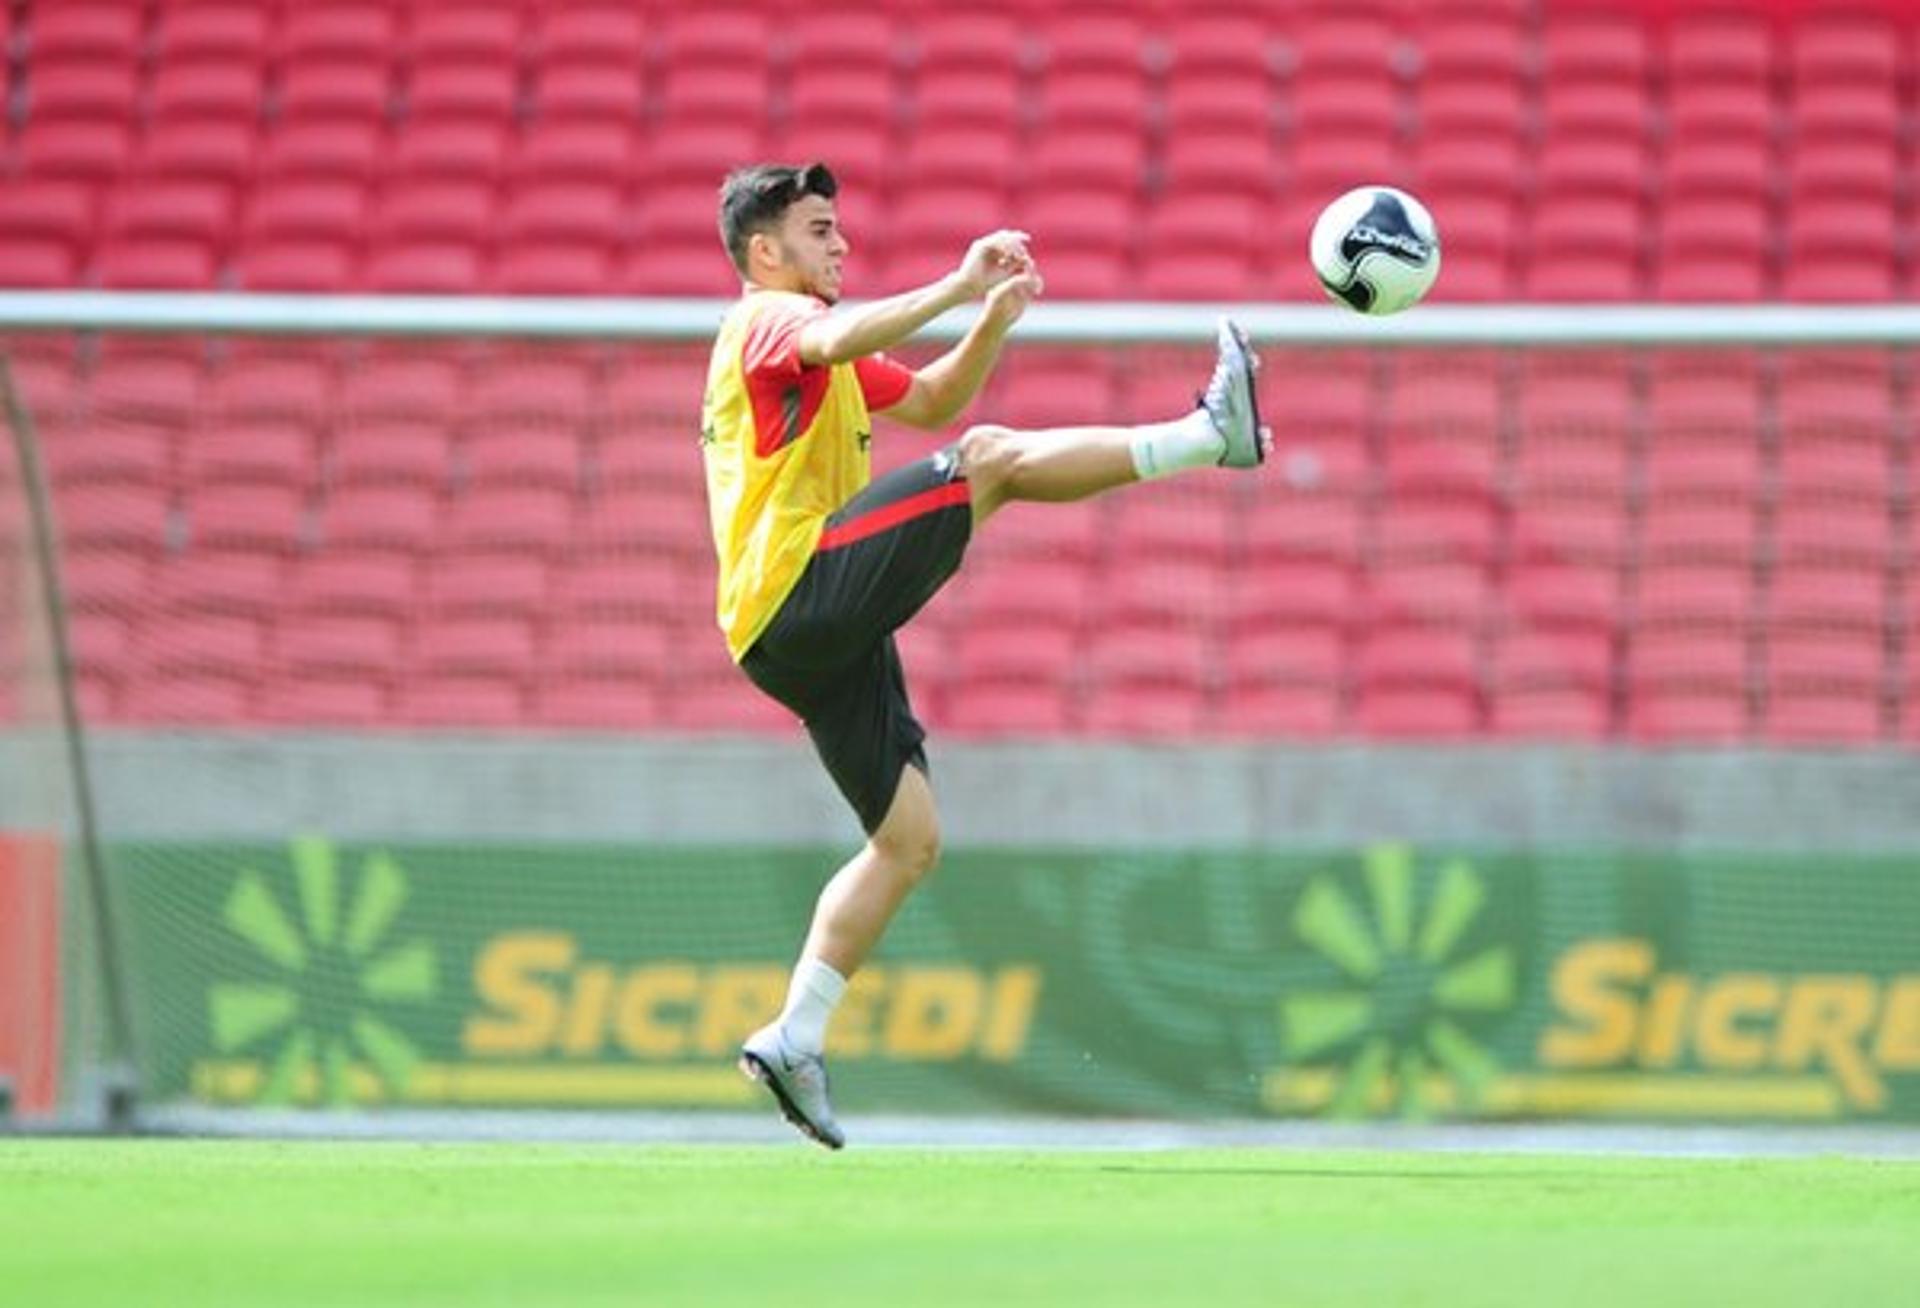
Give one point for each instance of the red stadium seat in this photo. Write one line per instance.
(125, 516)
(476, 34)
(347, 152)
(339, 583)
(266, 452)
(191, 91)
(1594, 47)
(967, 41)
(1563, 596)
(831, 95)
(605, 675)
(454, 150)
(960, 95)
(233, 33)
(348, 91)
(1688, 688)
(1845, 50)
(338, 31)
(604, 33)
(243, 583)
(458, 585)
(91, 152)
(1204, 45)
(1204, 104)
(611, 93)
(390, 518)
(970, 156)
(90, 91)
(1712, 48)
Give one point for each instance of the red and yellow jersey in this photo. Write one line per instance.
(786, 445)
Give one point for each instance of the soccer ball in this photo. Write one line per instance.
(1376, 250)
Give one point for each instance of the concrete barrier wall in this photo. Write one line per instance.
(416, 786)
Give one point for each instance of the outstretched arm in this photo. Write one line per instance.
(854, 333)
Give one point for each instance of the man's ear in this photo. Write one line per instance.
(763, 252)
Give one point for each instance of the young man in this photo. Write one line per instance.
(818, 568)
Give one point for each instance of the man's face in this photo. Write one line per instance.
(811, 248)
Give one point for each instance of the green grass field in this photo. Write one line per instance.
(288, 1225)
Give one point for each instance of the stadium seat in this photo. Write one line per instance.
(624, 589)
(605, 675)
(960, 96)
(1843, 50)
(202, 91)
(1217, 103)
(215, 32)
(536, 521)
(708, 693)
(1598, 47)
(1094, 159)
(1023, 594)
(1688, 687)
(1713, 48)
(255, 451)
(244, 583)
(450, 150)
(338, 31)
(1555, 683)
(458, 585)
(125, 516)
(106, 581)
(1546, 595)
(90, 152)
(380, 517)
(1845, 112)
(697, 97)
(341, 583)
(1832, 487)
(610, 93)
(355, 90)
(716, 39)
(469, 34)
(258, 516)
(1681, 598)
(1676, 531)
(604, 33)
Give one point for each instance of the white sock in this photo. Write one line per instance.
(1161, 448)
(811, 996)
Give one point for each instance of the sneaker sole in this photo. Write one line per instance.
(1253, 389)
(755, 1069)
(1252, 394)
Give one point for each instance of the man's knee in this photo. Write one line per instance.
(909, 839)
(912, 849)
(987, 456)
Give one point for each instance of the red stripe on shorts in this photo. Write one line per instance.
(892, 515)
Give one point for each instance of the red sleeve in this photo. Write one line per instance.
(882, 381)
(772, 350)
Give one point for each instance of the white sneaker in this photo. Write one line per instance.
(1230, 401)
(798, 1082)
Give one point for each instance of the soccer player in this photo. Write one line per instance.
(818, 567)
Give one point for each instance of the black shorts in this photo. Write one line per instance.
(829, 653)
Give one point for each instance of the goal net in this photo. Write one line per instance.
(1547, 652)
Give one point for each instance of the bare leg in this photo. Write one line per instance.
(1053, 464)
(854, 909)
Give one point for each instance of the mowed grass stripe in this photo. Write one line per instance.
(292, 1224)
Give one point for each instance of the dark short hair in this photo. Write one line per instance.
(753, 199)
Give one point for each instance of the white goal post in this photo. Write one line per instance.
(1117, 322)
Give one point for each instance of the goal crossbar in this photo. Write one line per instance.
(1117, 322)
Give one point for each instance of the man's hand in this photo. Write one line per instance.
(1007, 301)
(993, 259)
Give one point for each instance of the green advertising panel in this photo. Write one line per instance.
(1383, 982)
